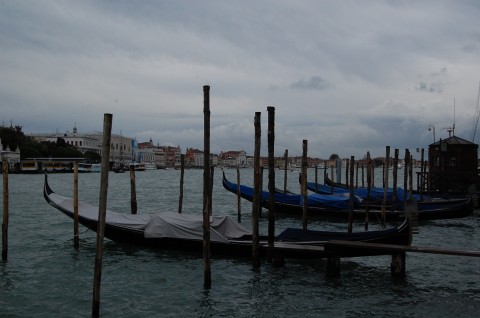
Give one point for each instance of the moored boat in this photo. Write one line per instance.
(175, 231)
(335, 206)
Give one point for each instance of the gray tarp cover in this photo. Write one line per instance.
(166, 224)
(188, 226)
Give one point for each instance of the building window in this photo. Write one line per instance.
(453, 161)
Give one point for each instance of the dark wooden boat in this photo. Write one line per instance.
(174, 231)
(336, 207)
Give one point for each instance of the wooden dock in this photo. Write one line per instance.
(333, 251)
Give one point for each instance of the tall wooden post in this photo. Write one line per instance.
(372, 166)
(385, 183)
(395, 178)
(369, 187)
(304, 183)
(5, 211)
(363, 175)
(210, 192)
(133, 190)
(182, 175)
(325, 171)
(405, 176)
(271, 181)
(257, 195)
(356, 175)
(102, 211)
(207, 283)
(76, 240)
(410, 176)
(285, 171)
(333, 179)
(352, 197)
(347, 174)
(239, 206)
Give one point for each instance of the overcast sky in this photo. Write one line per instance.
(348, 76)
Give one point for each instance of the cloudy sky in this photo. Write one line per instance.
(348, 76)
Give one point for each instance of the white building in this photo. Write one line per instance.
(12, 157)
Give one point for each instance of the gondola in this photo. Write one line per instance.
(336, 206)
(425, 202)
(184, 232)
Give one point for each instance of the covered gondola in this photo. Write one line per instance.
(184, 232)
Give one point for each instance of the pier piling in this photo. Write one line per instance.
(207, 272)
(256, 204)
(102, 211)
(239, 201)
(182, 173)
(271, 181)
(304, 184)
(76, 240)
(133, 190)
(5, 211)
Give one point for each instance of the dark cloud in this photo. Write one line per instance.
(314, 83)
(434, 87)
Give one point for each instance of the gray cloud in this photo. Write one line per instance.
(313, 83)
(434, 87)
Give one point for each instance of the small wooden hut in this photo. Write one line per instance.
(452, 165)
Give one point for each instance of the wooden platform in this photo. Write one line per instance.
(336, 246)
(333, 251)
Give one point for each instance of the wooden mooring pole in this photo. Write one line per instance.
(102, 211)
(304, 184)
(133, 190)
(352, 197)
(271, 182)
(369, 187)
(5, 211)
(257, 196)
(239, 197)
(405, 176)
(395, 177)
(207, 272)
(385, 183)
(76, 239)
(182, 174)
(285, 171)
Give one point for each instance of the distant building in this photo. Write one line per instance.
(148, 153)
(120, 147)
(233, 158)
(12, 157)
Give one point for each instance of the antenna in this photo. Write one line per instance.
(451, 128)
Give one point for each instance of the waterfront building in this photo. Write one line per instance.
(12, 157)
(120, 148)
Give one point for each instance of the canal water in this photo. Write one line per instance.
(46, 277)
